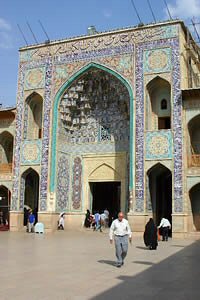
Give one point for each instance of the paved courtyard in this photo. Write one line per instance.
(80, 265)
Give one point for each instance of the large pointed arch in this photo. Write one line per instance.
(55, 117)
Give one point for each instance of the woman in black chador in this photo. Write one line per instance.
(87, 222)
(150, 235)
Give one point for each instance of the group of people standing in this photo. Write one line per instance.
(96, 220)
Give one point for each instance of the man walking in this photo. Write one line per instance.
(121, 231)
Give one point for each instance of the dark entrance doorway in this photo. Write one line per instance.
(195, 205)
(31, 192)
(106, 195)
(160, 190)
(4, 208)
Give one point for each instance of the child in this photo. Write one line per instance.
(31, 222)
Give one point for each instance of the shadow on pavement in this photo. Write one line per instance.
(142, 248)
(177, 277)
(148, 263)
(108, 262)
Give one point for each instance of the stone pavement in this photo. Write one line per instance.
(80, 265)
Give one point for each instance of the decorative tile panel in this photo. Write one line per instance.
(63, 183)
(26, 55)
(122, 63)
(61, 74)
(177, 121)
(159, 144)
(77, 184)
(31, 152)
(34, 78)
(157, 60)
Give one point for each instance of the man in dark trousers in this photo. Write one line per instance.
(165, 224)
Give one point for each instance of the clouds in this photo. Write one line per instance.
(107, 13)
(5, 34)
(185, 9)
(4, 25)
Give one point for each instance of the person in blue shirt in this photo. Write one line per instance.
(31, 222)
(97, 217)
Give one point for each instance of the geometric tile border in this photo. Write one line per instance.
(77, 184)
(63, 183)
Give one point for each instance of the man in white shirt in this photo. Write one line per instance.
(121, 231)
(165, 224)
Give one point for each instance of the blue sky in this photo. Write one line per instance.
(67, 18)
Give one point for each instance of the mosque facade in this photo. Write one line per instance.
(108, 120)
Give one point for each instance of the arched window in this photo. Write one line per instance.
(34, 107)
(194, 141)
(163, 104)
(158, 109)
(195, 206)
(6, 152)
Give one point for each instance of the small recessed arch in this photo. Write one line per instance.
(32, 94)
(157, 165)
(29, 170)
(103, 168)
(194, 140)
(34, 113)
(194, 195)
(6, 147)
(6, 187)
(158, 108)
